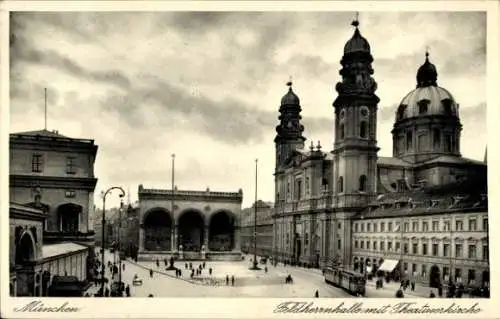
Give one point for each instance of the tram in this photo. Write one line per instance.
(351, 281)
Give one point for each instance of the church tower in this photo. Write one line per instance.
(288, 138)
(355, 147)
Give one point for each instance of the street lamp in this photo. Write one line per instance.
(255, 263)
(103, 266)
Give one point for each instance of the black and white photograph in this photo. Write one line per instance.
(248, 154)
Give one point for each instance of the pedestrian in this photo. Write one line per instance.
(190, 265)
(165, 261)
(265, 269)
(204, 265)
(316, 294)
(186, 265)
(123, 267)
(432, 295)
(227, 280)
(127, 290)
(151, 273)
(412, 286)
(210, 271)
(232, 280)
(157, 263)
(180, 273)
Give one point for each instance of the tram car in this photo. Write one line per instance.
(349, 280)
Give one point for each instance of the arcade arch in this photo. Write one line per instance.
(25, 249)
(157, 225)
(191, 225)
(221, 231)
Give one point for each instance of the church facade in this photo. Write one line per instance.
(422, 213)
(189, 225)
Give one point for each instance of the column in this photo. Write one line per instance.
(205, 236)
(141, 239)
(237, 243)
(173, 238)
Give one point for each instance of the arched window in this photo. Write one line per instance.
(409, 140)
(401, 112)
(447, 106)
(363, 129)
(436, 138)
(340, 186)
(342, 131)
(362, 183)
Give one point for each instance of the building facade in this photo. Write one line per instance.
(422, 213)
(51, 192)
(189, 224)
(264, 229)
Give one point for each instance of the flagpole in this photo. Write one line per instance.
(45, 90)
(255, 262)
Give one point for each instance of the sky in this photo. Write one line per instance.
(207, 85)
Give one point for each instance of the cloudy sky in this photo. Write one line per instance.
(207, 86)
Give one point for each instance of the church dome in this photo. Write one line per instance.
(428, 98)
(357, 43)
(290, 98)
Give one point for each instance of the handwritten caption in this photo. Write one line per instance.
(395, 308)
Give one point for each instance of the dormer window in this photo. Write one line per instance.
(423, 106)
(401, 112)
(447, 106)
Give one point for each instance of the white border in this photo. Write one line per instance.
(239, 307)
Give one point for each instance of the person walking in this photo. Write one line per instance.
(265, 269)
(210, 271)
(151, 273)
(316, 294)
(227, 280)
(127, 290)
(232, 280)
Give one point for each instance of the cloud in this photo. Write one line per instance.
(207, 85)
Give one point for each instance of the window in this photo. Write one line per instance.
(424, 249)
(472, 224)
(339, 244)
(414, 226)
(36, 163)
(413, 268)
(382, 245)
(459, 225)
(389, 226)
(340, 185)
(362, 227)
(382, 227)
(405, 248)
(70, 194)
(435, 225)
(368, 227)
(435, 248)
(342, 131)
(356, 244)
(409, 140)
(472, 251)
(375, 227)
(446, 273)
(307, 185)
(471, 277)
(414, 249)
(447, 143)
(362, 244)
(356, 227)
(375, 245)
(367, 244)
(389, 246)
(458, 275)
(363, 129)
(425, 226)
(446, 225)
(446, 250)
(424, 270)
(422, 107)
(458, 250)
(401, 112)
(398, 246)
(486, 253)
(288, 189)
(339, 226)
(70, 165)
(298, 191)
(407, 227)
(362, 183)
(405, 266)
(485, 224)
(436, 138)
(447, 106)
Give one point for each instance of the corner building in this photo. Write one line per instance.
(421, 214)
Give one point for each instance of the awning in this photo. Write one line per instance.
(368, 268)
(388, 265)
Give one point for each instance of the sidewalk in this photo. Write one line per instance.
(419, 292)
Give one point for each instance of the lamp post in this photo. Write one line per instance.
(174, 245)
(103, 266)
(255, 263)
(119, 242)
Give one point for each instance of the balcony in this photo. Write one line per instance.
(58, 236)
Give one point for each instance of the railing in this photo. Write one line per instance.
(191, 193)
(304, 204)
